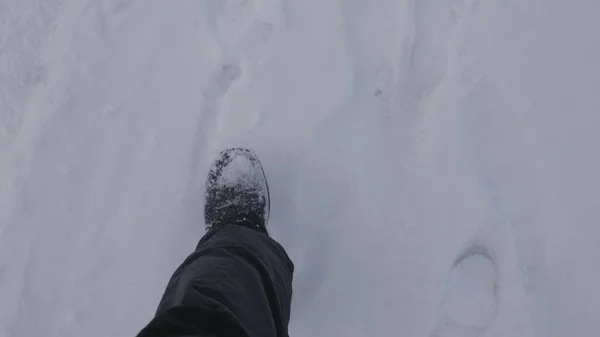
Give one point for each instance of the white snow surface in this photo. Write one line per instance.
(395, 134)
(242, 172)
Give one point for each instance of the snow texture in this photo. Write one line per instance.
(395, 135)
(243, 172)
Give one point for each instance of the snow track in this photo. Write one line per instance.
(395, 135)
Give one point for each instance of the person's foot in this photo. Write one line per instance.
(469, 305)
(237, 191)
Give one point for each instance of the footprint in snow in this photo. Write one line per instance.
(469, 306)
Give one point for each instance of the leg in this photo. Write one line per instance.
(238, 282)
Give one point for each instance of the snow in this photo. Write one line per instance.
(242, 171)
(395, 135)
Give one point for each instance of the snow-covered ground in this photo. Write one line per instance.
(395, 135)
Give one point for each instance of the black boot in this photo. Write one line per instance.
(237, 191)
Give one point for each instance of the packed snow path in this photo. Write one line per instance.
(396, 135)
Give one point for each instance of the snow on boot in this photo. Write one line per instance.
(237, 191)
(469, 306)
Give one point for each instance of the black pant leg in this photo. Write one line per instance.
(238, 282)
